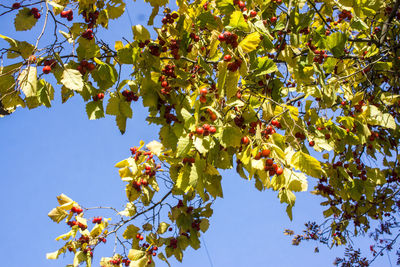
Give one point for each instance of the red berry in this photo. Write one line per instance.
(16, 5)
(273, 19)
(203, 91)
(164, 84)
(227, 58)
(265, 152)
(46, 69)
(311, 143)
(100, 96)
(213, 130)
(206, 127)
(64, 13)
(253, 13)
(279, 171)
(221, 37)
(245, 140)
(241, 4)
(203, 99)
(36, 15)
(200, 130)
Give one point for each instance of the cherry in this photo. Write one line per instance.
(46, 69)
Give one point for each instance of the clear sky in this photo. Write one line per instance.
(45, 152)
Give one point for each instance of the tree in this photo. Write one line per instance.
(279, 90)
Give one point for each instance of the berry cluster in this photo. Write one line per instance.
(320, 55)
(188, 160)
(229, 38)
(88, 34)
(97, 220)
(169, 117)
(76, 210)
(206, 130)
(90, 18)
(80, 225)
(69, 14)
(272, 168)
(35, 13)
(98, 97)
(169, 18)
(85, 66)
(130, 96)
(240, 4)
(234, 66)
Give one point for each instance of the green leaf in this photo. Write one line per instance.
(80, 256)
(140, 33)
(265, 66)
(105, 75)
(121, 123)
(24, 20)
(87, 49)
(45, 92)
(182, 181)
(231, 137)
(115, 8)
(250, 43)
(162, 228)
(28, 81)
(130, 232)
(204, 224)
(336, 43)
(94, 110)
(127, 55)
(226, 6)
(307, 164)
(72, 79)
(358, 24)
(232, 79)
(184, 145)
(206, 19)
(237, 21)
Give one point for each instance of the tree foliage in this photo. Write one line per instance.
(283, 91)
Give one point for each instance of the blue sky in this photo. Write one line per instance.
(46, 152)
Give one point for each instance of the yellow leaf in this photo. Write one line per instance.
(250, 43)
(57, 214)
